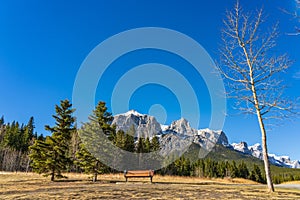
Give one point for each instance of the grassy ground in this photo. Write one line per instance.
(77, 186)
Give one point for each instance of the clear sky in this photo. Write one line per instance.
(43, 44)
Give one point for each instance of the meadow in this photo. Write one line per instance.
(113, 186)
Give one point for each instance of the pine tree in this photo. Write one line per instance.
(86, 160)
(103, 118)
(48, 158)
(243, 170)
(147, 148)
(222, 169)
(233, 170)
(51, 157)
(155, 146)
(129, 142)
(28, 135)
(256, 175)
(119, 140)
(198, 168)
(2, 121)
(88, 163)
(41, 137)
(140, 147)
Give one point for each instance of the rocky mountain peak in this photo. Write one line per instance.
(145, 125)
(181, 126)
(174, 137)
(255, 147)
(256, 151)
(133, 112)
(242, 147)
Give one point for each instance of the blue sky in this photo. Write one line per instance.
(43, 44)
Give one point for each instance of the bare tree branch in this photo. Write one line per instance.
(252, 72)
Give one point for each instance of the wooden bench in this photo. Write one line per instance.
(139, 174)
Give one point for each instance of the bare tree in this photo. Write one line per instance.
(295, 16)
(253, 72)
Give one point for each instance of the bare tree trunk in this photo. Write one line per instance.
(263, 137)
(52, 176)
(265, 154)
(264, 144)
(95, 177)
(28, 165)
(261, 124)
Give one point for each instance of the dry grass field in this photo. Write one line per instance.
(77, 186)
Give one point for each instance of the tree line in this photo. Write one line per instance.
(15, 140)
(208, 168)
(22, 149)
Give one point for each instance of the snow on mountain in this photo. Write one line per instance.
(133, 112)
(164, 127)
(175, 137)
(206, 137)
(256, 151)
(242, 147)
(179, 135)
(145, 125)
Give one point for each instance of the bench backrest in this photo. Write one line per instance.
(139, 173)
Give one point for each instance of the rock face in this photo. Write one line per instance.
(145, 125)
(181, 127)
(256, 151)
(241, 147)
(179, 135)
(174, 138)
(175, 144)
(207, 138)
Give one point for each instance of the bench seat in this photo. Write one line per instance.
(138, 174)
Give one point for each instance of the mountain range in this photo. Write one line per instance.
(179, 135)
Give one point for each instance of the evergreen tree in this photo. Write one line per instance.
(30, 128)
(234, 172)
(208, 168)
(85, 159)
(119, 140)
(2, 121)
(129, 142)
(147, 145)
(182, 166)
(140, 147)
(255, 174)
(28, 135)
(243, 170)
(222, 169)
(51, 157)
(199, 168)
(41, 137)
(48, 158)
(155, 146)
(103, 118)
(88, 163)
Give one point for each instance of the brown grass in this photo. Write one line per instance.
(113, 186)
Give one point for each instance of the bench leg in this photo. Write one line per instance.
(126, 179)
(151, 179)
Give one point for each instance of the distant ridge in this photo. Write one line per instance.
(179, 134)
